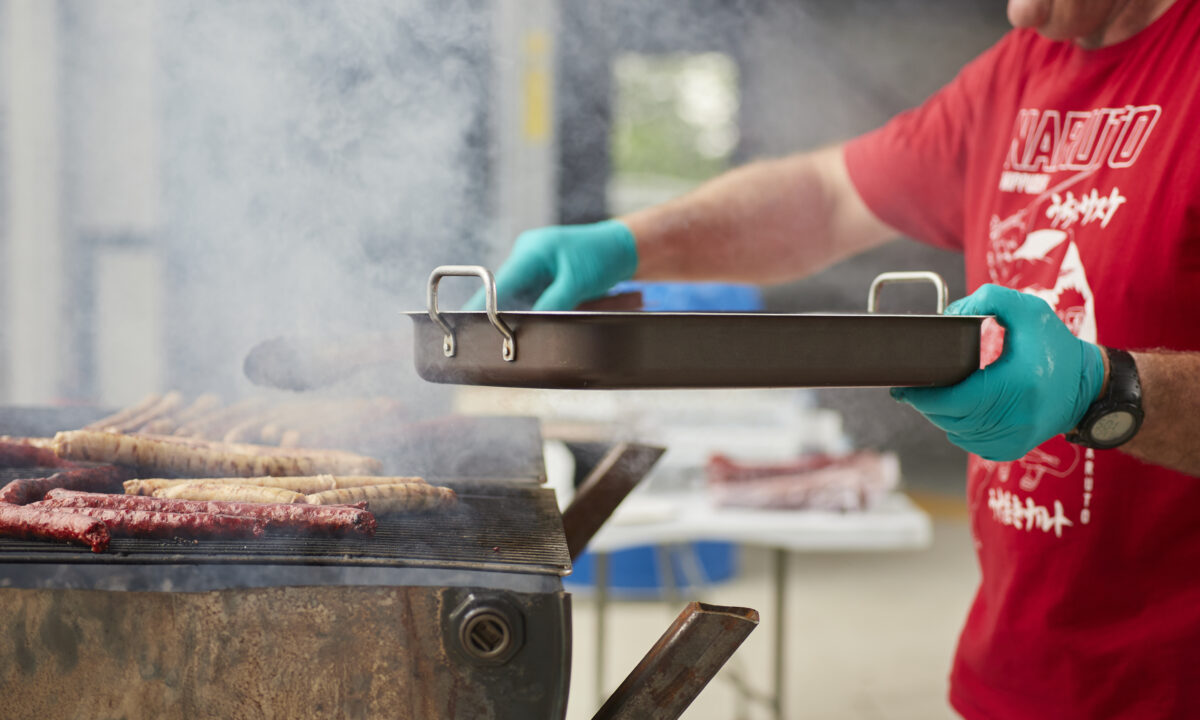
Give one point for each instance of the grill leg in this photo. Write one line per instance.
(664, 558)
(601, 611)
(780, 562)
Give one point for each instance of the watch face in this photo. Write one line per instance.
(1113, 427)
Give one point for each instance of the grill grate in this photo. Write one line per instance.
(502, 527)
(8, 474)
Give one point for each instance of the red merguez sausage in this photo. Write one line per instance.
(323, 519)
(148, 524)
(24, 455)
(304, 518)
(42, 524)
(97, 479)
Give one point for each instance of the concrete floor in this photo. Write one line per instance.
(870, 635)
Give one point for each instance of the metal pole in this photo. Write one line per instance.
(601, 611)
(663, 558)
(780, 562)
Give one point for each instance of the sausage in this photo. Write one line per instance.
(161, 426)
(307, 519)
(24, 454)
(124, 415)
(41, 442)
(266, 427)
(167, 454)
(250, 429)
(405, 497)
(165, 425)
(42, 524)
(353, 481)
(315, 424)
(147, 487)
(100, 478)
(301, 484)
(168, 404)
(216, 423)
(152, 524)
(230, 493)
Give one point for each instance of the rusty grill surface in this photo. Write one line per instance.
(500, 527)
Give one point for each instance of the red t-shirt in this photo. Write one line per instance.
(1073, 175)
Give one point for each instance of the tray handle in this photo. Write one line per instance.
(913, 276)
(508, 349)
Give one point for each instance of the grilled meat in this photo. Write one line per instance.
(403, 497)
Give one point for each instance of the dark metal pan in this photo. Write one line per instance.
(621, 350)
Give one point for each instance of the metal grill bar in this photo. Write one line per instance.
(9, 474)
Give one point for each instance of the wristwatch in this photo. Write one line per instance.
(1115, 417)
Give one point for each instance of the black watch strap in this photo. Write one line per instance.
(1115, 417)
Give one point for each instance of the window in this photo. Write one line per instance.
(674, 125)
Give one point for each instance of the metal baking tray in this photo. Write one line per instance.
(623, 350)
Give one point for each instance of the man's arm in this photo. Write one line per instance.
(1170, 433)
(765, 222)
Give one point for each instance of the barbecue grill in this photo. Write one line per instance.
(455, 615)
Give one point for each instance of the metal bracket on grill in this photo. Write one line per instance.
(617, 474)
(681, 663)
(508, 349)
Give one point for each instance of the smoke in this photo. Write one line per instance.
(313, 159)
(319, 160)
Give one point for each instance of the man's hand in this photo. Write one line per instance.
(563, 266)
(1040, 387)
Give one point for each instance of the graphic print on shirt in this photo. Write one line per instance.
(1065, 163)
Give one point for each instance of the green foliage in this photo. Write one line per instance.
(676, 115)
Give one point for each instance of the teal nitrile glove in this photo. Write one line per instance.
(1040, 387)
(564, 265)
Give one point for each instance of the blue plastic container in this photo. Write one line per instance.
(637, 572)
(696, 297)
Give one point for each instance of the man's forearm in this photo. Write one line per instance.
(765, 222)
(1171, 400)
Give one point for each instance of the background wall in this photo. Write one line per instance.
(182, 179)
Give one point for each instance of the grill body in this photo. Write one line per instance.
(279, 652)
(454, 615)
(450, 615)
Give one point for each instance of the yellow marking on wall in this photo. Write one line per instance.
(535, 86)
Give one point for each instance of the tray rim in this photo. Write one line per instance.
(590, 314)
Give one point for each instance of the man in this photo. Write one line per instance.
(1060, 162)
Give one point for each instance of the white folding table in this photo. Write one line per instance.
(893, 523)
